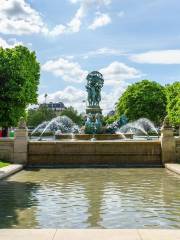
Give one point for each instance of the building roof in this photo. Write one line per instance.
(54, 105)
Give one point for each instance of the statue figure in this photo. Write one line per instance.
(95, 82)
(166, 123)
(89, 125)
(98, 124)
(122, 120)
(89, 95)
(22, 123)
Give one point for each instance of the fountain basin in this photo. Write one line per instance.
(93, 153)
(90, 198)
(96, 136)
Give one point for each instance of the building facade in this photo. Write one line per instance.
(57, 107)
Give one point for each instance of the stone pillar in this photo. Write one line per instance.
(168, 144)
(21, 144)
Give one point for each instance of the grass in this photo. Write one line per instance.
(3, 164)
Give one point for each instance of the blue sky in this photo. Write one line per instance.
(126, 40)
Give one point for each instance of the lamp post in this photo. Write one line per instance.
(45, 97)
(84, 101)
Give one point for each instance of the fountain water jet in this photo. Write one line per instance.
(140, 126)
(58, 125)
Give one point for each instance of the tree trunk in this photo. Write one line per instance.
(4, 131)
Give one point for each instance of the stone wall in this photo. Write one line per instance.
(99, 152)
(177, 149)
(7, 149)
(85, 152)
(15, 150)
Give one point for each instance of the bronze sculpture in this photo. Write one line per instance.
(95, 82)
(93, 122)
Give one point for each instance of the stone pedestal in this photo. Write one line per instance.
(21, 146)
(93, 110)
(168, 146)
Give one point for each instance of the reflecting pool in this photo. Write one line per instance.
(91, 198)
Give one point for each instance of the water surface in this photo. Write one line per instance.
(91, 198)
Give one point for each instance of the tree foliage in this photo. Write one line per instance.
(19, 79)
(73, 115)
(110, 119)
(173, 102)
(37, 116)
(145, 99)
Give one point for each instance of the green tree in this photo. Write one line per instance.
(37, 116)
(173, 102)
(19, 79)
(74, 115)
(110, 119)
(145, 99)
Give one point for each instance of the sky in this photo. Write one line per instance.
(126, 40)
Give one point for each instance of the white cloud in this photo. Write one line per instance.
(70, 96)
(118, 72)
(75, 97)
(17, 17)
(157, 57)
(71, 71)
(101, 20)
(115, 75)
(57, 30)
(110, 98)
(104, 51)
(10, 43)
(4, 44)
(75, 24)
(65, 68)
(97, 2)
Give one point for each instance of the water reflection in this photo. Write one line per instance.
(91, 198)
(17, 205)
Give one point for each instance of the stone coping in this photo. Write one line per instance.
(7, 139)
(93, 142)
(9, 170)
(174, 167)
(101, 136)
(89, 234)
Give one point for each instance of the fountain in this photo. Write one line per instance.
(95, 144)
(63, 128)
